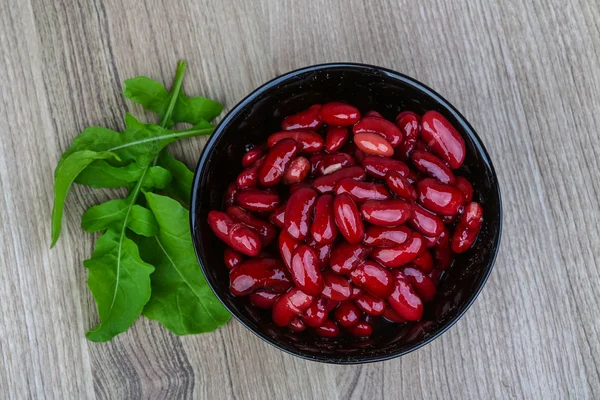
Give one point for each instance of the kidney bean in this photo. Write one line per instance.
(257, 200)
(361, 329)
(373, 113)
(232, 258)
(315, 162)
(335, 162)
(356, 291)
(442, 253)
(287, 245)
(432, 166)
(425, 222)
(400, 186)
(298, 212)
(345, 257)
(305, 270)
(420, 282)
(253, 155)
(263, 298)
(323, 228)
(297, 171)
(465, 186)
(381, 127)
(316, 314)
(413, 177)
(420, 145)
(424, 262)
(347, 218)
(327, 183)
(236, 235)
(339, 114)
(370, 304)
(372, 143)
(378, 167)
(439, 197)
(347, 314)
(290, 305)
(230, 193)
(392, 316)
(408, 122)
(467, 228)
(443, 139)
(404, 301)
(256, 273)
(393, 257)
(277, 217)
(449, 219)
(328, 329)
(297, 325)
(335, 287)
(336, 138)
(386, 212)
(267, 231)
(308, 141)
(358, 154)
(305, 119)
(323, 252)
(362, 191)
(248, 178)
(300, 185)
(276, 162)
(373, 278)
(380, 236)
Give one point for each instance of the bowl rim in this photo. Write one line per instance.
(465, 125)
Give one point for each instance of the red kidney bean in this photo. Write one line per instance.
(442, 253)
(345, 257)
(323, 252)
(359, 154)
(425, 222)
(327, 183)
(432, 166)
(328, 329)
(232, 258)
(287, 245)
(370, 304)
(373, 278)
(348, 219)
(257, 273)
(263, 298)
(381, 127)
(404, 301)
(308, 141)
(466, 187)
(298, 212)
(335, 162)
(336, 138)
(257, 200)
(299, 185)
(305, 270)
(373, 113)
(420, 145)
(443, 139)
(362, 191)
(386, 212)
(393, 257)
(361, 329)
(413, 177)
(277, 161)
(380, 236)
(267, 231)
(392, 316)
(323, 228)
(253, 155)
(449, 219)
(347, 314)
(429, 241)
(408, 122)
(372, 143)
(356, 291)
(277, 217)
(467, 228)
(305, 119)
(315, 162)
(378, 167)
(424, 262)
(297, 171)
(290, 305)
(420, 282)
(332, 304)
(230, 193)
(339, 114)
(248, 178)
(439, 197)
(297, 325)
(316, 314)
(236, 235)
(335, 287)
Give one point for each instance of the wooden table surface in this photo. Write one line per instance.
(526, 74)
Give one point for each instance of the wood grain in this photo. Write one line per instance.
(525, 73)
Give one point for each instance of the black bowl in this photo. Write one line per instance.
(368, 88)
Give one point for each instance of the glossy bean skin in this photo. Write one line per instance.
(339, 114)
(315, 162)
(323, 228)
(420, 282)
(287, 245)
(249, 176)
(298, 212)
(372, 143)
(429, 241)
(266, 230)
(362, 191)
(252, 155)
(276, 162)
(373, 278)
(442, 253)
(334, 162)
(443, 139)
(393, 257)
(360, 329)
(381, 236)
(316, 314)
(408, 122)
(257, 200)
(236, 235)
(300, 185)
(232, 258)
(432, 166)
(412, 177)
(424, 262)
(290, 305)
(379, 126)
(323, 252)
(467, 228)
(327, 183)
(347, 314)
(386, 212)
(392, 316)
(373, 113)
(230, 193)
(400, 186)
(439, 198)
(370, 304)
(277, 217)
(305, 119)
(465, 186)
(328, 329)
(404, 301)
(356, 291)
(308, 141)
(258, 273)
(346, 256)
(297, 171)
(336, 287)
(305, 270)
(378, 167)
(347, 218)
(297, 325)
(425, 222)
(263, 298)
(336, 138)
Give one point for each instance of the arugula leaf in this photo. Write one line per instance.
(112, 213)
(100, 174)
(181, 185)
(192, 307)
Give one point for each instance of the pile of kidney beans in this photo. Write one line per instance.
(340, 219)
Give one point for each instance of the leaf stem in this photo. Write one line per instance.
(175, 90)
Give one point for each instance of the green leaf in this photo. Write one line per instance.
(100, 174)
(112, 213)
(64, 175)
(181, 299)
(181, 185)
(120, 283)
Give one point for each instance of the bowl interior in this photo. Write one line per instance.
(368, 88)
